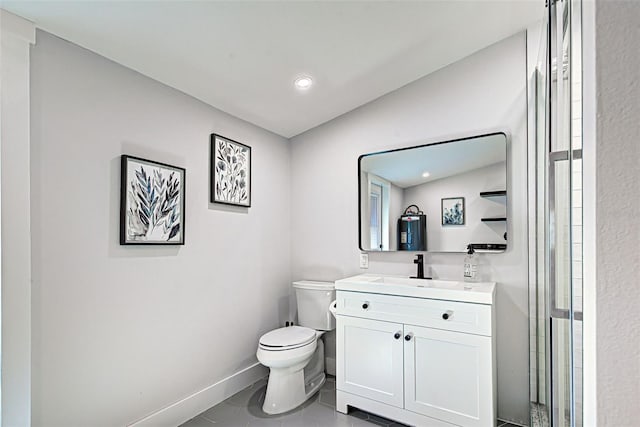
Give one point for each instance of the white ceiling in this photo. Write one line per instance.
(404, 168)
(242, 56)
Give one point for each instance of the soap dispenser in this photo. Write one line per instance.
(471, 265)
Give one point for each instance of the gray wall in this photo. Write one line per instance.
(16, 36)
(468, 185)
(121, 332)
(482, 93)
(617, 206)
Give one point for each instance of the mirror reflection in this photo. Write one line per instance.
(439, 197)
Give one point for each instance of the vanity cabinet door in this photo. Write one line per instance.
(370, 359)
(448, 376)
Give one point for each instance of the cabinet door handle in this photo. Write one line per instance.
(397, 335)
(365, 305)
(447, 314)
(408, 336)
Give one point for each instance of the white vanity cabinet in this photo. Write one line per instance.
(421, 361)
(371, 359)
(448, 376)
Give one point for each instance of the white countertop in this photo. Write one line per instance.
(451, 290)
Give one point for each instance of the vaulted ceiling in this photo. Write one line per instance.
(243, 56)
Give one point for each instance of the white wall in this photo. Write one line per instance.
(392, 198)
(16, 36)
(589, 226)
(469, 185)
(617, 156)
(483, 93)
(121, 332)
(397, 207)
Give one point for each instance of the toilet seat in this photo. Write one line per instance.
(287, 338)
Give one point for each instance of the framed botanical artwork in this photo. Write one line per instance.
(230, 172)
(152, 202)
(453, 211)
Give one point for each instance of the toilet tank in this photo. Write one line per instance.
(313, 300)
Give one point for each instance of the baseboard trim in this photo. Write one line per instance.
(187, 408)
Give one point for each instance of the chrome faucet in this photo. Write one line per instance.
(419, 260)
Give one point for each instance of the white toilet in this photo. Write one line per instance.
(295, 354)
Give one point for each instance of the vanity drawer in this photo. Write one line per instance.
(441, 314)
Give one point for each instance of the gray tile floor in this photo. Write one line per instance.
(244, 409)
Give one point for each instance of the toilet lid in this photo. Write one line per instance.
(292, 336)
(315, 285)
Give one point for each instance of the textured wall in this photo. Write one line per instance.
(120, 332)
(479, 94)
(618, 204)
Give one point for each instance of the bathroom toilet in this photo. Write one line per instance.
(295, 354)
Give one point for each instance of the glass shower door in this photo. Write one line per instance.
(563, 222)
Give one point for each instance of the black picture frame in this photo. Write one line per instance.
(230, 172)
(152, 202)
(447, 218)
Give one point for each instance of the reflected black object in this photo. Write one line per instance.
(488, 246)
(412, 232)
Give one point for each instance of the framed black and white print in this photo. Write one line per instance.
(152, 200)
(453, 211)
(230, 172)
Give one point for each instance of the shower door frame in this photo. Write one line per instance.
(559, 147)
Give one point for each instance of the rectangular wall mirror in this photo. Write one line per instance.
(439, 197)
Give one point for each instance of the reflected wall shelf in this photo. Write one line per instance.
(489, 247)
(498, 193)
(493, 219)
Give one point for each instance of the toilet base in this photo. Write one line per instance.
(289, 388)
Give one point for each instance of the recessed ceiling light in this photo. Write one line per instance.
(303, 82)
(426, 175)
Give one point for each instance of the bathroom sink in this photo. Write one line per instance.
(478, 292)
(420, 283)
